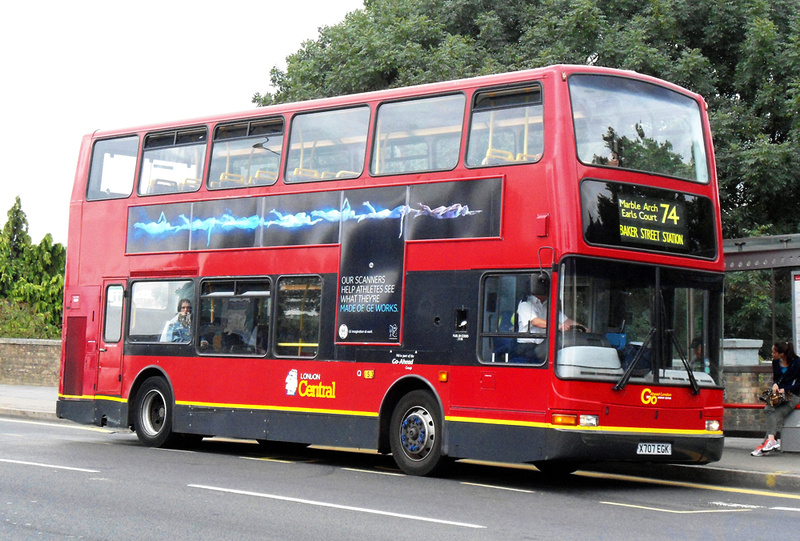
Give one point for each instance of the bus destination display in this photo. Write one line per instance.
(631, 216)
(652, 221)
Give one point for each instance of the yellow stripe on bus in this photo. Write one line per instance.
(276, 408)
(453, 419)
(92, 397)
(628, 429)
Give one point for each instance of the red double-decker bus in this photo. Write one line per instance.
(523, 267)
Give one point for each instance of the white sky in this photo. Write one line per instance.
(70, 68)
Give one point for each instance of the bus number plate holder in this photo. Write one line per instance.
(654, 449)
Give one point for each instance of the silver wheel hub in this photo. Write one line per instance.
(417, 433)
(154, 412)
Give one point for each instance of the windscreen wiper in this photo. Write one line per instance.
(628, 371)
(692, 380)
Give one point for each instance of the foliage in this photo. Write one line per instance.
(644, 153)
(31, 281)
(18, 320)
(743, 57)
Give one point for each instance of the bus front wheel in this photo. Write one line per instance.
(153, 413)
(416, 434)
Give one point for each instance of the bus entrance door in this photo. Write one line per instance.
(109, 363)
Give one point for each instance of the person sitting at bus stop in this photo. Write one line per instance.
(786, 381)
(179, 328)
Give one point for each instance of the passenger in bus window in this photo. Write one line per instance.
(700, 363)
(179, 328)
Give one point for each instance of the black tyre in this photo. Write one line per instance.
(415, 434)
(153, 413)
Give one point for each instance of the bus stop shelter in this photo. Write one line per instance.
(773, 254)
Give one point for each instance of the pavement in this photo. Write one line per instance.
(776, 472)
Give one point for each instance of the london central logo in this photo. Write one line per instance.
(308, 385)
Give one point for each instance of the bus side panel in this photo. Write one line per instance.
(74, 353)
(79, 348)
(219, 421)
(502, 443)
(323, 429)
(441, 316)
(300, 427)
(97, 412)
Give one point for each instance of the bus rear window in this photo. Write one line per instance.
(173, 161)
(418, 135)
(113, 168)
(328, 145)
(506, 127)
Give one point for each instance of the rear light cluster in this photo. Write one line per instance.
(569, 419)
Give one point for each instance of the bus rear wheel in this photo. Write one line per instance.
(153, 413)
(415, 434)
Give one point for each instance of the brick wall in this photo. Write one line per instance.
(743, 385)
(29, 362)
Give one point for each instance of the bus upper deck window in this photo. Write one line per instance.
(506, 127)
(113, 168)
(173, 161)
(418, 135)
(328, 145)
(246, 154)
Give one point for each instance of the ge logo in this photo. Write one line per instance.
(648, 397)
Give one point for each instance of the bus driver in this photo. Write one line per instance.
(532, 318)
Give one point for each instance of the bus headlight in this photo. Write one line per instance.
(712, 425)
(589, 420)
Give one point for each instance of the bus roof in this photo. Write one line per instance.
(396, 93)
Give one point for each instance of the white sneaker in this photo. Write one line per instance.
(760, 450)
(771, 446)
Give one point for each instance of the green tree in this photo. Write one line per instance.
(31, 281)
(743, 57)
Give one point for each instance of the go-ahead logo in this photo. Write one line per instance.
(649, 397)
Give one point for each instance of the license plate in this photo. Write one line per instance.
(654, 449)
